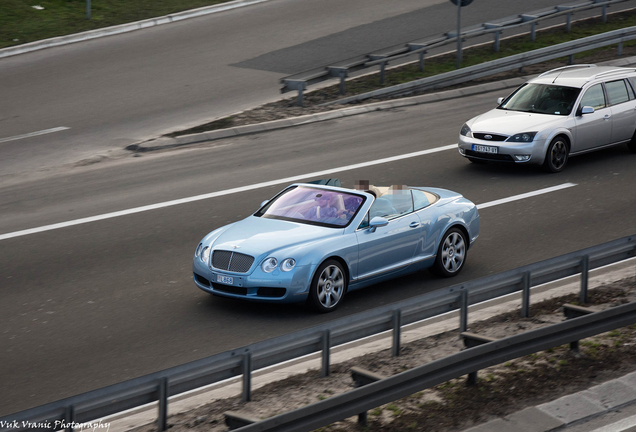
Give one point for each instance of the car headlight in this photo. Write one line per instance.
(288, 264)
(522, 137)
(198, 251)
(205, 254)
(269, 265)
(465, 131)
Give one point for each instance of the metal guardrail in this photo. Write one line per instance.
(342, 69)
(159, 386)
(505, 64)
(465, 362)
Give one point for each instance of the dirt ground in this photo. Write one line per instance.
(500, 390)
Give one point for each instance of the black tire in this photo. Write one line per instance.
(632, 144)
(451, 253)
(557, 155)
(328, 286)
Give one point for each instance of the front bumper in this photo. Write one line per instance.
(521, 153)
(275, 287)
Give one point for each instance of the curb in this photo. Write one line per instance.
(124, 28)
(163, 143)
(568, 410)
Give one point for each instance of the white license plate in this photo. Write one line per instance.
(225, 280)
(484, 149)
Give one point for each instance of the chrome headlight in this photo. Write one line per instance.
(198, 251)
(205, 255)
(288, 264)
(522, 137)
(269, 265)
(465, 131)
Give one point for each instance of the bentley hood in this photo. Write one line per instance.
(257, 235)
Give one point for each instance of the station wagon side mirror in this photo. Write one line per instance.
(377, 222)
(500, 100)
(587, 110)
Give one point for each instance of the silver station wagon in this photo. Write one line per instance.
(561, 113)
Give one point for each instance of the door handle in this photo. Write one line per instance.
(607, 117)
(414, 224)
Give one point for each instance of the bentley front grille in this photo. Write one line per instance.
(232, 261)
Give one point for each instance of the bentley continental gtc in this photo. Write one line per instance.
(315, 242)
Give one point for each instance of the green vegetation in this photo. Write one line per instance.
(21, 23)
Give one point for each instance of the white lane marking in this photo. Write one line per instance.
(242, 189)
(32, 134)
(621, 425)
(220, 193)
(525, 195)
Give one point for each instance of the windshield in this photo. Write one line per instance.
(542, 99)
(313, 206)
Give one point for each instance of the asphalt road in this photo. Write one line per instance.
(94, 304)
(115, 91)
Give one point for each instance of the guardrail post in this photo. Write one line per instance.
(397, 327)
(585, 270)
(422, 54)
(571, 59)
(343, 75)
(162, 419)
(463, 310)
(88, 9)
(568, 24)
(69, 416)
(525, 295)
(620, 48)
(604, 13)
(382, 69)
(533, 31)
(247, 377)
(326, 345)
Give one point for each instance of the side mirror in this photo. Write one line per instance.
(377, 222)
(500, 100)
(263, 203)
(587, 110)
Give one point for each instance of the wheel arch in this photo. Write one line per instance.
(566, 134)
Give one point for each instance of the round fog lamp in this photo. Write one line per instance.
(522, 158)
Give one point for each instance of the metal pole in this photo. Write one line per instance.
(162, 418)
(397, 327)
(326, 345)
(88, 9)
(525, 301)
(585, 269)
(459, 34)
(343, 74)
(382, 67)
(299, 99)
(247, 377)
(70, 418)
(463, 310)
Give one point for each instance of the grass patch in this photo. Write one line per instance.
(21, 23)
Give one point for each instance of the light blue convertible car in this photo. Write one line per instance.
(315, 242)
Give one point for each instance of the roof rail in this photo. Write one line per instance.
(613, 71)
(567, 67)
